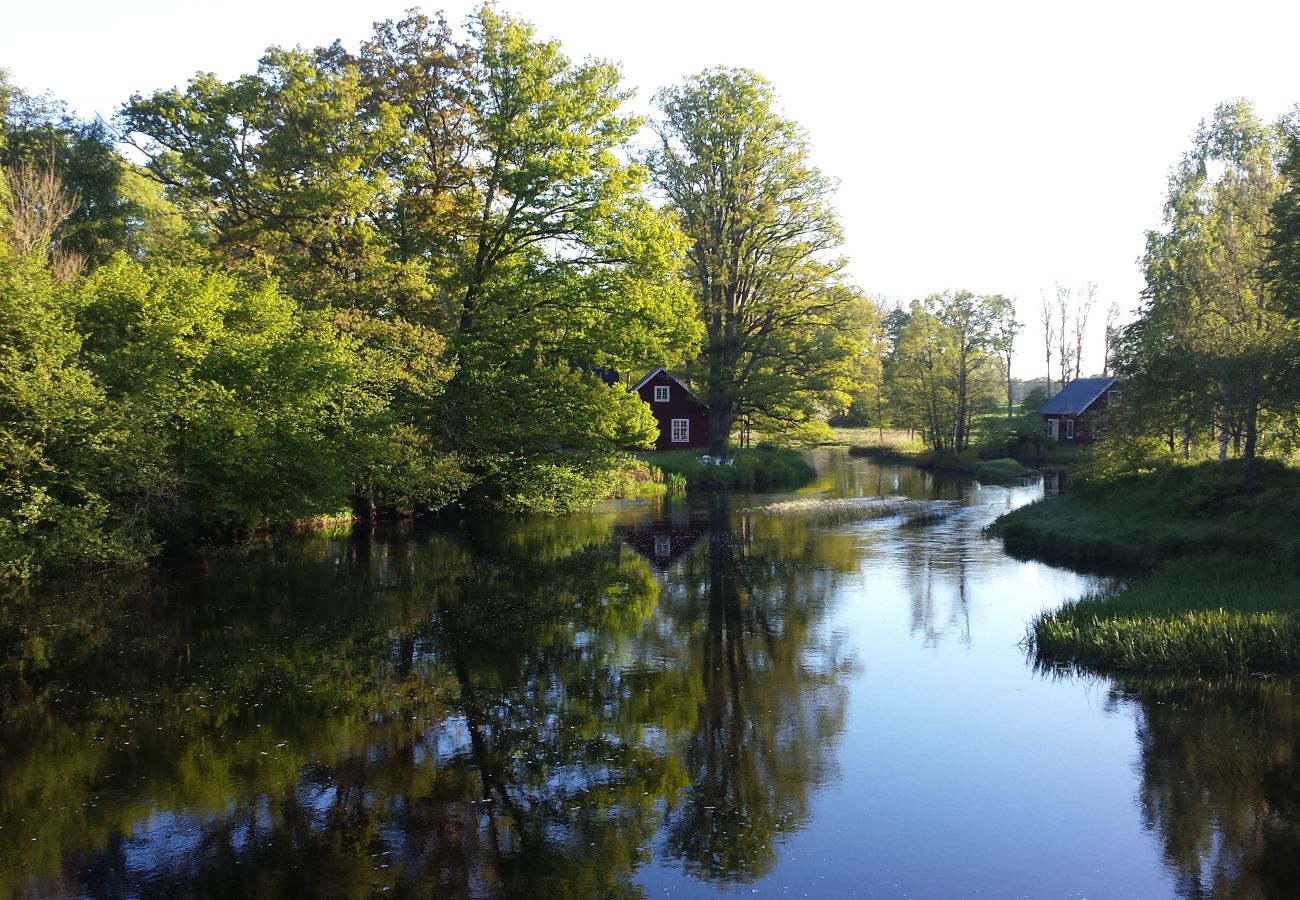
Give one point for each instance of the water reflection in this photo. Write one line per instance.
(514, 712)
(661, 697)
(772, 699)
(1220, 767)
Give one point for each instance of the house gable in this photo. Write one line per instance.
(683, 420)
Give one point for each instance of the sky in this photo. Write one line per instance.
(997, 147)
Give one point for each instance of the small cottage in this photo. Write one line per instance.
(1074, 415)
(683, 419)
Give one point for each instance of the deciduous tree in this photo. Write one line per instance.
(779, 319)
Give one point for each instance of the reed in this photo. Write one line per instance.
(843, 510)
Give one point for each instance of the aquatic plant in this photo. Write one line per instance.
(842, 510)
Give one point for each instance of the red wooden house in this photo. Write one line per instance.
(683, 419)
(1076, 414)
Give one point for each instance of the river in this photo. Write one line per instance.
(690, 698)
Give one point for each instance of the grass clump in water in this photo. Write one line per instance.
(1218, 614)
(1221, 556)
(759, 468)
(842, 510)
(990, 471)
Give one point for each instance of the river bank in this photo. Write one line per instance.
(1216, 552)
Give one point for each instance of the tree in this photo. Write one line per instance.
(1003, 339)
(559, 266)
(1112, 332)
(472, 197)
(1087, 296)
(942, 365)
(1209, 311)
(780, 329)
(1064, 350)
(1047, 317)
(60, 443)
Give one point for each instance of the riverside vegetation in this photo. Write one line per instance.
(1210, 374)
(1215, 563)
(393, 280)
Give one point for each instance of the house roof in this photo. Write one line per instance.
(1077, 396)
(653, 372)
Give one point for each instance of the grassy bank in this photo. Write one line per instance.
(759, 468)
(1220, 561)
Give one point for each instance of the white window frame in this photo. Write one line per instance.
(661, 393)
(1069, 429)
(680, 431)
(1054, 428)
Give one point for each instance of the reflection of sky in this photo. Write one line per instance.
(163, 842)
(962, 771)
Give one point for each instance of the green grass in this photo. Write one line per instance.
(1219, 555)
(637, 479)
(1213, 615)
(998, 471)
(759, 468)
(866, 437)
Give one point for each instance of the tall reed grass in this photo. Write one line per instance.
(843, 510)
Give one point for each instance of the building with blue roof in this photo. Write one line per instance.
(1075, 414)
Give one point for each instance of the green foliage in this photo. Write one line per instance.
(1216, 614)
(1224, 568)
(637, 479)
(784, 333)
(943, 366)
(1022, 437)
(39, 132)
(1206, 352)
(998, 471)
(59, 437)
(234, 395)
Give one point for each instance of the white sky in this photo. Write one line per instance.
(993, 146)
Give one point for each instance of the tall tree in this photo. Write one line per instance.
(778, 317)
(1047, 316)
(1208, 305)
(560, 265)
(1005, 329)
(1064, 349)
(1111, 333)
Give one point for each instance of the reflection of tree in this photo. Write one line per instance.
(1220, 770)
(937, 571)
(461, 718)
(772, 703)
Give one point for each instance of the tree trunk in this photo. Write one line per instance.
(1009, 403)
(363, 508)
(1252, 421)
(1225, 428)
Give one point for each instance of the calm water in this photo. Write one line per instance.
(682, 700)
